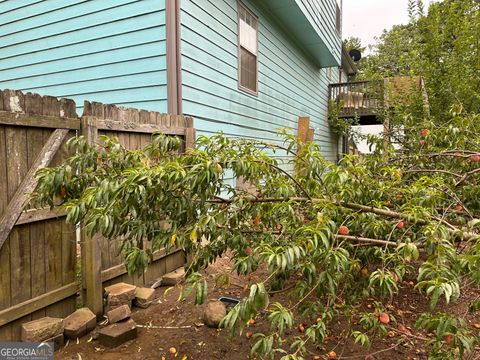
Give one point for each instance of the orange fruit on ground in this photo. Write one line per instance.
(251, 322)
(424, 132)
(400, 225)
(301, 328)
(402, 328)
(332, 355)
(448, 339)
(343, 230)
(395, 276)
(172, 350)
(248, 334)
(364, 271)
(384, 318)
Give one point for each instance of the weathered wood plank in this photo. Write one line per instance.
(132, 127)
(68, 252)
(190, 135)
(20, 264)
(36, 215)
(53, 255)
(120, 269)
(310, 134)
(35, 141)
(27, 307)
(303, 126)
(28, 184)
(41, 121)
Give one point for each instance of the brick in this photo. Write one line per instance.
(116, 334)
(118, 314)
(42, 329)
(144, 297)
(120, 294)
(79, 323)
(173, 278)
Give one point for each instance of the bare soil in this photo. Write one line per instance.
(192, 340)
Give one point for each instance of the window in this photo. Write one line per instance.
(247, 50)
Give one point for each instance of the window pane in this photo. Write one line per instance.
(248, 70)
(248, 35)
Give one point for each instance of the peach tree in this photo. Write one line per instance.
(329, 235)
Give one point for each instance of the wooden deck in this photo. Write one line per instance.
(358, 98)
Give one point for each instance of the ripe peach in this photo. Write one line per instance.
(172, 350)
(301, 328)
(384, 318)
(251, 322)
(248, 334)
(400, 225)
(395, 276)
(332, 355)
(448, 339)
(458, 207)
(424, 132)
(475, 158)
(343, 230)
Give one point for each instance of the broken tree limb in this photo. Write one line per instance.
(359, 207)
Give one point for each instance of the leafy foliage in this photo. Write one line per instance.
(412, 211)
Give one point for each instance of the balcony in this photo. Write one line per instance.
(358, 99)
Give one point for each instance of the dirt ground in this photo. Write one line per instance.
(197, 342)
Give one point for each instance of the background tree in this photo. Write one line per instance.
(442, 46)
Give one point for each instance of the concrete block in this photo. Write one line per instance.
(118, 314)
(79, 323)
(118, 333)
(120, 294)
(42, 329)
(143, 297)
(173, 278)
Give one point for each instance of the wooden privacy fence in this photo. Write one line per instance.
(39, 261)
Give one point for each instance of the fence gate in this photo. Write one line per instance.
(40, 263)
(37, 247)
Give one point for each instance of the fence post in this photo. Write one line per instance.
(189, 133)
(302, 136)
(91, 255)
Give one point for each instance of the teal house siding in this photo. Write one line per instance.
(291, 82)
(115, 51)
(111, 51)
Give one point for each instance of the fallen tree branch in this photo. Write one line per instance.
(359, 207)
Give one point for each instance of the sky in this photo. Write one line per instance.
(367, 18)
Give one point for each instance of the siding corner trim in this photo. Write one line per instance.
(174, 68)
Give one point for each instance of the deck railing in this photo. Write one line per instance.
(358, 98)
